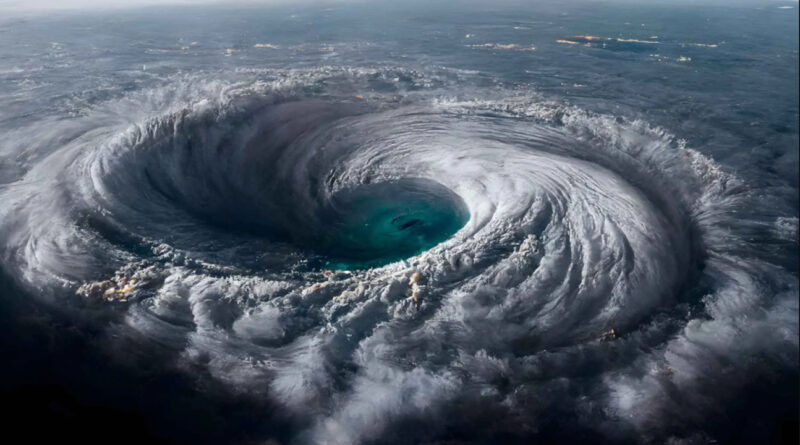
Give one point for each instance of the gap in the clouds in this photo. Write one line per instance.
(377, 224)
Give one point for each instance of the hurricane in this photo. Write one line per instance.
(573, 269)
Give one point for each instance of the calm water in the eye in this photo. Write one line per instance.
(381, 231)
(381, 223)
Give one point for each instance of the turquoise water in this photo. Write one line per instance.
(384, 223)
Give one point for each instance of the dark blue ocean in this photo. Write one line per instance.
(411, 222)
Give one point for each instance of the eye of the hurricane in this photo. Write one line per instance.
(376, 224)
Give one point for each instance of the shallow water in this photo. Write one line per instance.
(382, 223)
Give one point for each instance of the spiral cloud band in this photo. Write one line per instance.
(572, 262)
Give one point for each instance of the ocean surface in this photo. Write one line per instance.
(211, 218)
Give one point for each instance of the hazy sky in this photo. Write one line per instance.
(112, 4)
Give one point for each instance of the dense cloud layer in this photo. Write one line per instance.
(603, 274)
